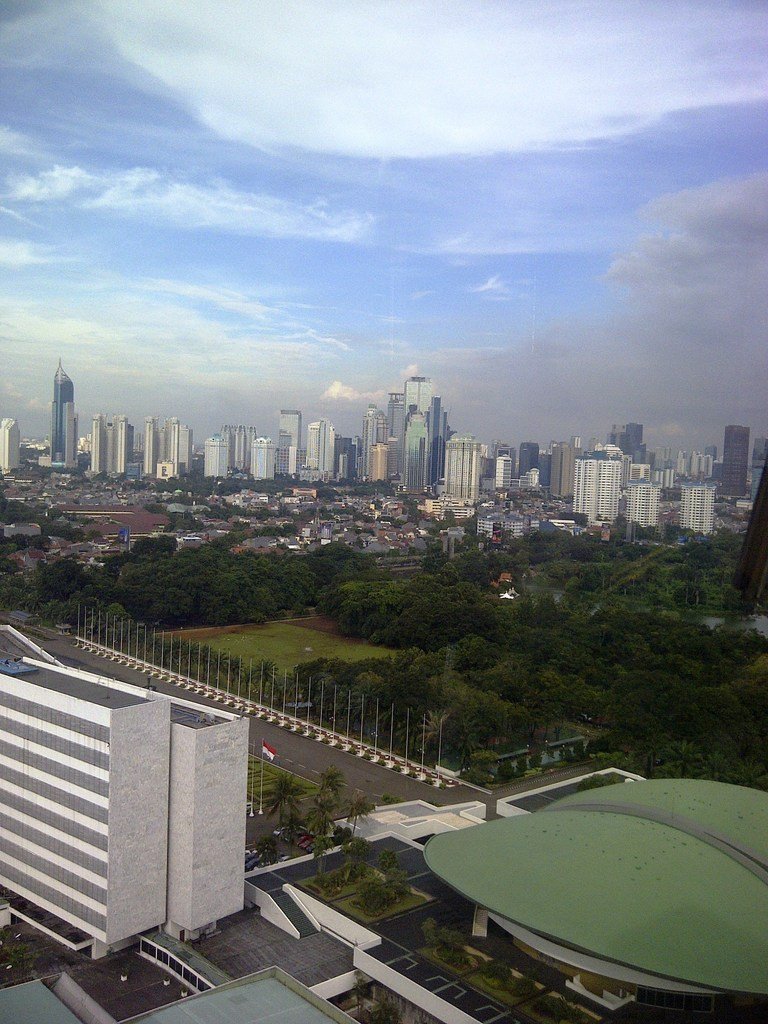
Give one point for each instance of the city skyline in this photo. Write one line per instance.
(295, 205)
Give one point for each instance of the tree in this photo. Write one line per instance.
(332, 782)
(266, 847)
(388, 863)
(385, 1012)
(285, 798)
(360, 990)
(359, 807)
(321, 847)
(320, 815)
(356, 851)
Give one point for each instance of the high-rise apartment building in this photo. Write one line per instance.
(415, 453)
(63, 421)
(562, 469)
(375, 431)
(735, 461)
(643, 503)
(176, 446)
(697, 507)
(527, 457)
(10, 442)
(119, 445)
(99, 444)
(597, 485)
(377, 461)
(216, 458)
(321, 438)
(151, 445)
(263, 458)
(463, 462)
(121, 808)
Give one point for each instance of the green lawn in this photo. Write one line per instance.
(284, 643)
(271, 774)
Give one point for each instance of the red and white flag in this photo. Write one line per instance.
(267, 751)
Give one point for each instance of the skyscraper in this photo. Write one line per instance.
(151, 445)
(437, 436)
(759, 455)
(396, 427)
(643, 503)
(528, 457)
(321, 447)
(562, 470)
(415, 453)
(375, 431)
(9, 445)
(63, 421)
(735, 461)
(290, 424)
(99, 443)
(417, 391)
(119, 445)
(263, 455)
(463, 459)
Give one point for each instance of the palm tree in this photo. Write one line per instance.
(360, 991)
(285, 798)
(266, 847)
(320, 816)
(359, 807)
(332, 781)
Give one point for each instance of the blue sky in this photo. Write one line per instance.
(558, 211)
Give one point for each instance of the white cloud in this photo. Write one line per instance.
(338, 392)
(493, 288)
(18, 254)
(146, 193)
(13, 143)
(412, 370)
(407, 79)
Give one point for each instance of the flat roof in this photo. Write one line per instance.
(102, 694)
(667, 876)
(259, 998)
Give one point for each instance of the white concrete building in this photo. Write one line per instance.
(121, 809)
(263, 456)
(504, 467)
(216, 458)
(320, 447)
(597, 485)
(151, 445)
(643, 503)
(10, 441)
(99, 443)
(697, 507)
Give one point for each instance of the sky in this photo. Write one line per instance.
(556, 210)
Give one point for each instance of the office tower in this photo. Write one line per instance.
(504, 471)
(185, 449)
(344, 458)
(629, 437)
(437, 436)
(122, 808)
(377, 461)
(759, 455)
(711, 449)
(697, 507)
(10, 442)
(263, 456)
(396, 428)
(597, 485)
(415, 453)
(63, 421)
(151, 445)
(417, 392)
(562, 470)
(462, 468)
(320, 447)
(545, 469)
(375, 429)
(528, 457)
(216, 461)
(643, 503)
(290, 424)
(99, 444)
(394, 457)
(735, 461)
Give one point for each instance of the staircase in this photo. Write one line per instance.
(294, 913)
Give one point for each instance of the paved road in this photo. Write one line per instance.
(297, 753)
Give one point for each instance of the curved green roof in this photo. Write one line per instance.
(668, 876)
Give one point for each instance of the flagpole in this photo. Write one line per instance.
(250, 784)
(261, 788)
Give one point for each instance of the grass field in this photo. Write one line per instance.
(285, 643)
(271, 774)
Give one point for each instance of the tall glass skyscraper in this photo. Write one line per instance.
(63, 421)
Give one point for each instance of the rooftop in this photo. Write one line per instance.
(99, 693)
(684, 861)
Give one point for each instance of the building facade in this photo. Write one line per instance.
(63, 421)
(263, 458)
(10, 442)
(597, 486)
(735, 461)
(216, 460)
(697, 507)
(463, 462)
(643, 503)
